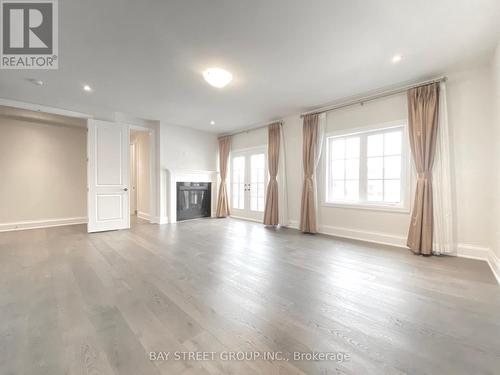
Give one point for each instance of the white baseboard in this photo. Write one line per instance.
(143, 215)
(366, 236)
(159, 219)
(245, 218)
(359, 235)
(463, 250)
(481, 253)
(494, 263)
(47, 223)
(473, 252)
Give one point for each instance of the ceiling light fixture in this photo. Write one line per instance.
(36, 82)
(217, 77)
(87, 88)
(396, 59)
(212, 122)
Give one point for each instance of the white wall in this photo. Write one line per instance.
(471, 131)
(182, 148)
(43, 172)
(185, 148)
(381, 111)
(345, 221)
(496, 103)
(253, 138)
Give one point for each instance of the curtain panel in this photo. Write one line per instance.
(308, 203)
(222, 199)
(423, 103)
(282, 183)
(271, 215)
(444, 237)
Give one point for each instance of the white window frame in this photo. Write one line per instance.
(406, 168)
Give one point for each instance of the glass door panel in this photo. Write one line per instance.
(238, 187)
(248, 183)
(257, 182)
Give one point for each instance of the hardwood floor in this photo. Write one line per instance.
(73, 303)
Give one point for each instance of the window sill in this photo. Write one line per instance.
(368, 206)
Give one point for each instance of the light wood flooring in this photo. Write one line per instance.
(74, 303)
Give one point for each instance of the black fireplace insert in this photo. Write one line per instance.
(193, 200)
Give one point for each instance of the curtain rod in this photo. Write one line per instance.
(374, 96)
(364, 99)
(246, 130)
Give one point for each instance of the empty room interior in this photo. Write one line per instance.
(250, 187)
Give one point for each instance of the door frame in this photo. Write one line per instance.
(133, 178)
(247, 151)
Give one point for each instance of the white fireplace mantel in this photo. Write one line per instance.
(187, 175)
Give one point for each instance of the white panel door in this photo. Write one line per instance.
(108, 176)
(248, 184)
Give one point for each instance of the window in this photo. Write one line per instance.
(368, 168)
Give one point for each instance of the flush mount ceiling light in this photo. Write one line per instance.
(36, 82)
(217, 77)
(212, 122)
(87, 88)
(396, 59)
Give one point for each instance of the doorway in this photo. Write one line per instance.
(248, 183)
(140, 175)
(111, 173)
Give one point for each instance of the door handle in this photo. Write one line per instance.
(125, 189)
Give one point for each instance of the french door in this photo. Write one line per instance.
(248, 183)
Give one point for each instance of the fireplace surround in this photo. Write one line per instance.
(186, 175)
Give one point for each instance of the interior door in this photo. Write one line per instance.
(108, 176)
(248, 183)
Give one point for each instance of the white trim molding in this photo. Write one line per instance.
(45, 223)
(159, 219)
(246, 219)
(366, 236)
(481, 253)
(43, 108)
(463, 250)
(143, 215)
(362, 134)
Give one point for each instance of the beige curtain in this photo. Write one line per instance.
(271, 216)
(223, 200)
(423, 122)
(308, 205)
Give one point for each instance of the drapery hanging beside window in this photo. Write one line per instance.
(223, 200)
(444, 240)
(271, 216)
(317, 157)
(308, 203)
(423, 108)
(282, 183)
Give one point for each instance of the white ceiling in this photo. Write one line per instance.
(145, 58)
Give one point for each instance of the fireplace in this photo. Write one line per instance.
(193, 200)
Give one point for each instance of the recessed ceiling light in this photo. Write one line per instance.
(87, 88)
(36, 82)
(217, 77)
(212, 122)
(396, 59)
